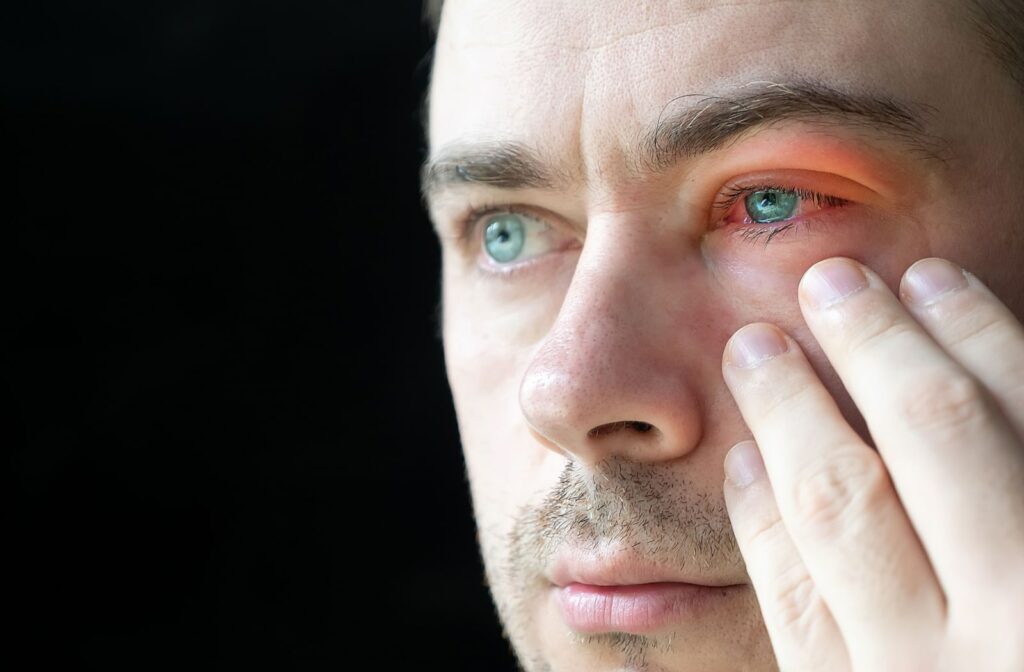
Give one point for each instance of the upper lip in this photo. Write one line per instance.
(618, 567)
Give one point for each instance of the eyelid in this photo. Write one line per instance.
(736, 193)
(806, 180)
(824, 190)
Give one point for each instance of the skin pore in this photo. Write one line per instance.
(586, 373)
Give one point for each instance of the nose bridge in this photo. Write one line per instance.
(608, 378)
(607, 310)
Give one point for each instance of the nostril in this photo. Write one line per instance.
(610, 427)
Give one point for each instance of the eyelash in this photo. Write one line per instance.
(733, 193)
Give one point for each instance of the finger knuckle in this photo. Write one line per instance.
(945, 404)
(781, 403)
(879, 329)
(797, 604)
(840, 491)
(765, 532)
(976, 325)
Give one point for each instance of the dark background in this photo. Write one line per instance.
(232, 441)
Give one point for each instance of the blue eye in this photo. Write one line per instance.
(766, 210)
(504, 236)
(771, 205)
(511, 236)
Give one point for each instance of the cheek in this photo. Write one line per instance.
(762, 282)
(989, 244)
(504, 462)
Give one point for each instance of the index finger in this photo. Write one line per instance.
(953, 456)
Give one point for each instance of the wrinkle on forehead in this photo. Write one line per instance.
(583, 78)
(587, 25)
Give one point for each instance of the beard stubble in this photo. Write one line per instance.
(648, 508)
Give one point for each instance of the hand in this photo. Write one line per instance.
(908, 558)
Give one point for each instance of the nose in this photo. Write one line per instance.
(615, 376)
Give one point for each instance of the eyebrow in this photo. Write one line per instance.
(690, 126)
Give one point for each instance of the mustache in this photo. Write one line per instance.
(650, 508)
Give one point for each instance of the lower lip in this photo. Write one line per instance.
(635, 608)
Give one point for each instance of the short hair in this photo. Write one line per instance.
(1000, 24)
(432, 13)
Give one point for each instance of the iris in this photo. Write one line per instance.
(505, 236)
(771, 205)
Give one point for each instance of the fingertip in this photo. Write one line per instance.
(930, 280)
(753, 345)
(743, 465)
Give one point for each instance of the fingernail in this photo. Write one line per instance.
(929, 281)
(829, 282)
(743, 464)
(755, 344)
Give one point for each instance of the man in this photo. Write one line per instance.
(696, 242)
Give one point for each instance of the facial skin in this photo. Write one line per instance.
(618, 313)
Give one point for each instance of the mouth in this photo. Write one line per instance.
(622, 592)
(637, 608)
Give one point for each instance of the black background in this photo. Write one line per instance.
(232, 441)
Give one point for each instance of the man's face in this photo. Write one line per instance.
(649, 177)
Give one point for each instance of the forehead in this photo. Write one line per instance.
(582, 76)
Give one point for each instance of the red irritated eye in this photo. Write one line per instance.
(770, 210)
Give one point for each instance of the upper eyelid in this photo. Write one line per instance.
(812, 182)
(738, 192)
(468, 224)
